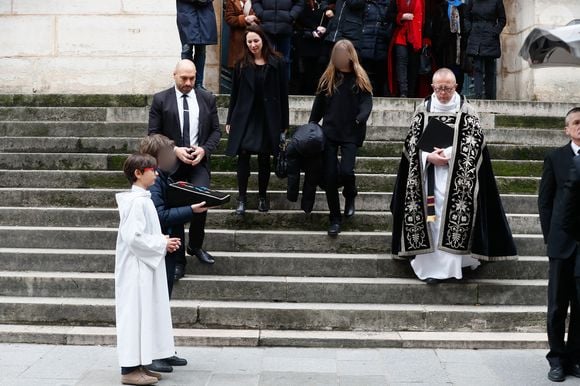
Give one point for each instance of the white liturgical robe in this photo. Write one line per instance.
(144, 329)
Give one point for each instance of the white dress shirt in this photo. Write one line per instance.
(193, 114)
(575, 148)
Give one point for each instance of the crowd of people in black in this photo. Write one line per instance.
(400, 43)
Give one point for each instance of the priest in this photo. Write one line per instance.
(447, 213)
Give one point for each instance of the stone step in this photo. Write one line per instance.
(220, 180)
(268, 264)
(105, 198)
(126, 145)
(231, 240)
(290, 289)
(106, 336)
(227, 219)
(520, 108)
(285, 316)
(535, 136)
(99, 161)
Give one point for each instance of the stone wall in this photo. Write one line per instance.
(92, 46)
(131, 46)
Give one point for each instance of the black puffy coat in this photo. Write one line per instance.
(347, 22)
(375, 33)
(305, 153)
(484, 21)
(277, 16)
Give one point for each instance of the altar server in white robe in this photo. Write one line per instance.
(144, 328)
(459, 219)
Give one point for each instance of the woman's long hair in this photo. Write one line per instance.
(267, 50)
(329, 80)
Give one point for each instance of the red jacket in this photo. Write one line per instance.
(410, 31)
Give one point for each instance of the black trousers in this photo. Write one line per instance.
(484, 77)
(376, 69)
(407, 67)
(200, 176)
(333, 171)
(243, 173)
(563, 289)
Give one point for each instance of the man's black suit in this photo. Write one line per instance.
(571, 221)
(562, 250)
(164, 119)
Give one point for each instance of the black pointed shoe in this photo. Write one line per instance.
(432, 281)
(334, 230)
(574, 370)
(201, 255)
(557, 374)
(241, 209)
(263, 204)
(159, 366)
(349, 207)
(175, 361)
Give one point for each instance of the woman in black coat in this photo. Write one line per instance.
(258, 112)
(484, 21)
(344, 103)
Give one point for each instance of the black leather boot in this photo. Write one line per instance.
(263, 204)
(241, 209)
(349, 207)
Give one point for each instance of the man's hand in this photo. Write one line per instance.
(199, 207)
(228, 129)
(329, 14)
(408, 16)
(183, 154)
(438, 158)
(173, 243)
(197, 155)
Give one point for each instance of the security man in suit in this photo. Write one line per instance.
(563, 250)
(189, 117)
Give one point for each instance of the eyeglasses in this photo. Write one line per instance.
(443, 88)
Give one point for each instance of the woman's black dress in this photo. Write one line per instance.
(256, 137)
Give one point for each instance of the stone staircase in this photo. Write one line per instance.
(279, 280)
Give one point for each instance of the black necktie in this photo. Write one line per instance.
(186, 141)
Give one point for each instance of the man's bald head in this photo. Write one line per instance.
(444, 84)
(445, 75)
(184, 75)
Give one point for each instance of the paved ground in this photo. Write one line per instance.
(79, 365)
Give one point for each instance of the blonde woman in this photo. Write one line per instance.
(344, 103)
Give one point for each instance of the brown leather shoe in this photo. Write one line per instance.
(151, 373)
(138, 377)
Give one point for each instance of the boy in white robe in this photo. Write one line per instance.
(143, 318)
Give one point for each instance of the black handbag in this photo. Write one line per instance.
(425, 61)
(281, 161)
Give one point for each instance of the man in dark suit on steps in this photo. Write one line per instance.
(189, 117)
(563, 250)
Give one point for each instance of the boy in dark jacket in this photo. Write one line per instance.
(172, 219)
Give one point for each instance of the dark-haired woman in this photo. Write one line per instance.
(344, 103)
(258, 113)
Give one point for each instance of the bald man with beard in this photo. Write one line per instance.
(189, 117)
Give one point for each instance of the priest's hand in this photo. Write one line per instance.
(228, 127)
(199, 207)
(438, 157)
(173, 243)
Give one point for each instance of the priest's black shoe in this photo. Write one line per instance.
(202, 255)
(179, 271)
(263, 204)
(432, 281)
(574, 370)
(334, 230)
(160, 366)
(175, 361)
(241, 209)
(557, 374)
(349, 207)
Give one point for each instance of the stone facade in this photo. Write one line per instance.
(102, 46)
(131, 46)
